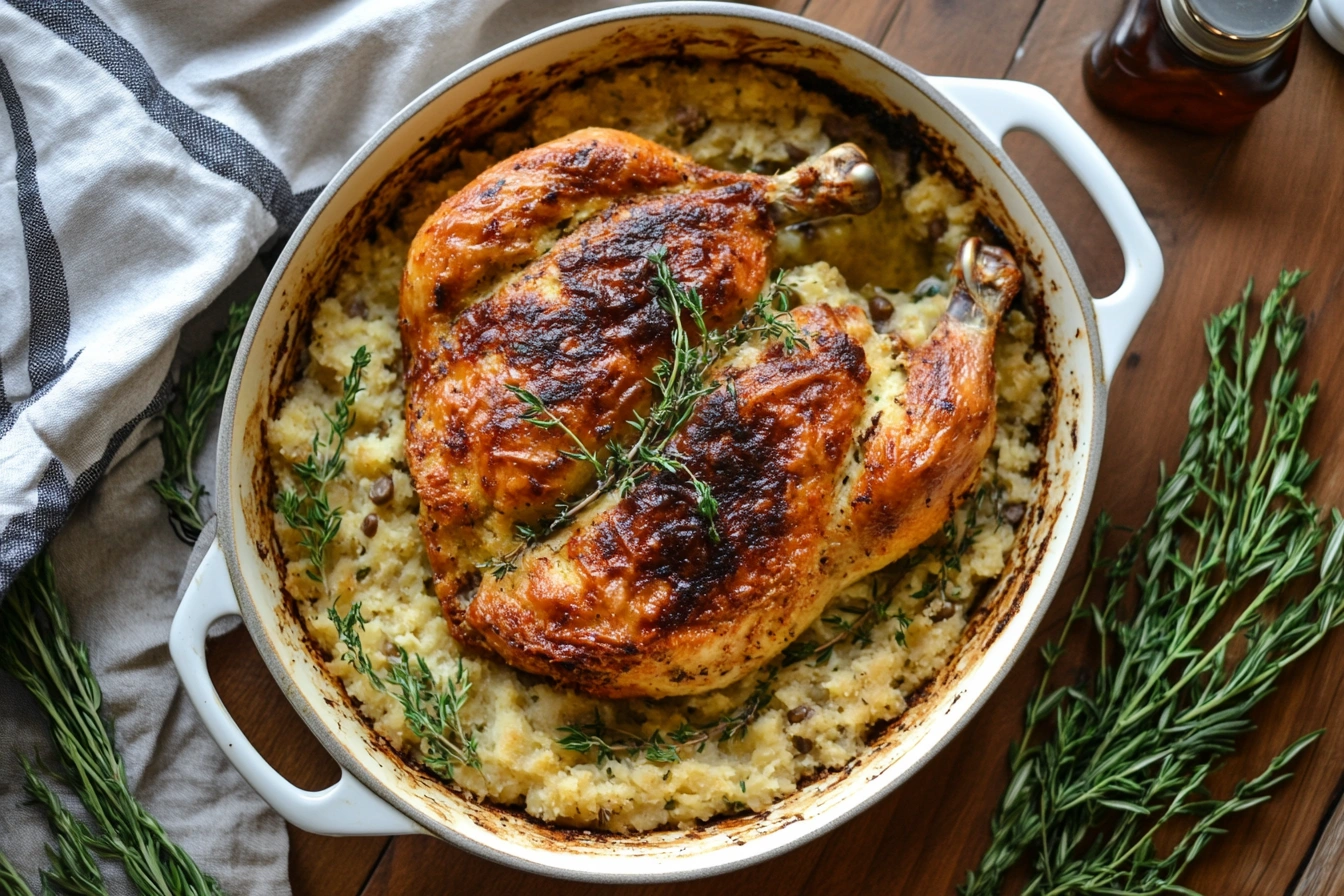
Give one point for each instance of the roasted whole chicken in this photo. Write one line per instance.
(537, 279)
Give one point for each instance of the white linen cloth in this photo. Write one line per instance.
(147, 152)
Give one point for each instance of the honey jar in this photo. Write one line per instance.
(1202, 65)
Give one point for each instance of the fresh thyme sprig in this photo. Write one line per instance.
(612, 743)
(678, 383)
(432, 712)
(310, 512)
(39, 650)
(199, 390)
(954, 543)
(852, 623)
(1107, 769)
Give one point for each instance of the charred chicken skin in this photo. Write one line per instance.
(485, 307)
(537, 276)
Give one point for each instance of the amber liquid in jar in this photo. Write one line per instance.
(1139, 69)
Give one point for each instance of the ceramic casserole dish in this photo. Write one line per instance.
(380, 793)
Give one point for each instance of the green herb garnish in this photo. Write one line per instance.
(432, 711)
(856, 622)
(612, 743)
(852, 623)
(1108, 769)
(678, 383)
(309, 512)
(199, 390)
(953, 543)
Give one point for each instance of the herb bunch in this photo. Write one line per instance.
(678, 383)
(38, 648)
(612, 743)
(433, 713)
(199, 390)
(1107, 768)
(309, 511)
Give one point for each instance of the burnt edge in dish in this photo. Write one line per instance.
(383, 203)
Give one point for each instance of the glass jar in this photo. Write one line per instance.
(1202, 65)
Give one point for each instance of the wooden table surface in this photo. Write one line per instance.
(1224, 209)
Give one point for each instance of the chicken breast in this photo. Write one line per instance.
(817, 486)
(537, 276)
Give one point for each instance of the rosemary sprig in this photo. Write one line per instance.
(432, 712)
(310, 512)
(678, 383)
(199, 390)
(612, 743)
(74, 870)
(1106, 769)
(11, 882)
(39, 650)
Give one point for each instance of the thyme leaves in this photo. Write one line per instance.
(852, 623)
(856, 622)
(678, 381)
(608, 743)
(433, 709)
(309, 510)
(1234, 576)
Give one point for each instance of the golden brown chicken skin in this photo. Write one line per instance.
(637, 598)
(502, 220)
(644, 597)
(579, 326)
(582, 331)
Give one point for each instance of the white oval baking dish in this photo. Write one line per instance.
(379, 793)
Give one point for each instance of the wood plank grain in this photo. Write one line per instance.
(1226, 209)
(318, 865)
(1324, 870)
(967, 38)
(867, 19)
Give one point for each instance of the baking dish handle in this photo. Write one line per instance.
(346, 808)
(999, 107)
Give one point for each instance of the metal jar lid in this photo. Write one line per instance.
(1233, 32)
